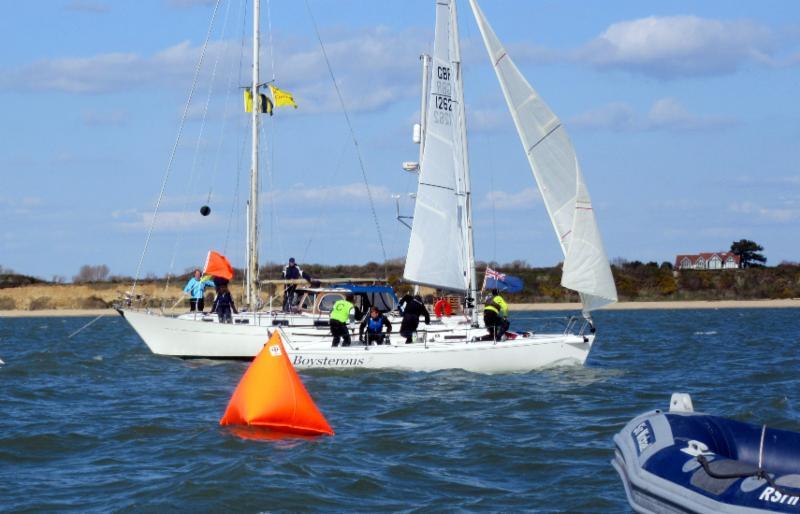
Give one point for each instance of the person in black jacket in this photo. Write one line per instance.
(374, 324)
(290, 272)
(223, 305)
(412, 308)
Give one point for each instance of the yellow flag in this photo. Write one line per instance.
(248, 100)
(282, 97)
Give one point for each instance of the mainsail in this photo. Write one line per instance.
(437, 250)
(555, 166)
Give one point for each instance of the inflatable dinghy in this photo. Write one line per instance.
(684, 461)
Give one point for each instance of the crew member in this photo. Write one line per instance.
(412, 308)
(290, 272)
(374, 324)
(196, 287)
(495, 316)
(340, 316)
(223, 304)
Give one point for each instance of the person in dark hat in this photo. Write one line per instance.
(291, 272)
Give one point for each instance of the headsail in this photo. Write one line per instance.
(555, 166)
(437, 247)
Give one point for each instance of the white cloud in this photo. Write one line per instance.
(136, 220)
(665, 114)
(344, 194)
(678, 46)
(668, 113)
(503, 200)
(373, 68)
(614, 116)
(488, 120)
(106, 73)
(785, 211)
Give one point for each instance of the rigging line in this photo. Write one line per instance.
(324, 201)
(237, 188)
(174, 148)
(353, 134)
(193, 172)
(226, 107)
(240, 155)
(86, 326)
(269, 26)
(494, 202)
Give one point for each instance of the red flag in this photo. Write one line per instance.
(218, 266)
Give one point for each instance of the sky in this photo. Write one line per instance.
(684, 115)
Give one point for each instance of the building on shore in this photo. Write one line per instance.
(707, 261)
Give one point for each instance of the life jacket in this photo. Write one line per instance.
(341, 311)
(497, 305)
(375, 325)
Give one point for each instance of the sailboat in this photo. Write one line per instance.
(441, 248)
(200, 335)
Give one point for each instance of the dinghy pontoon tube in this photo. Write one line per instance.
(682, 461)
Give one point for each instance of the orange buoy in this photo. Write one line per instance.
(271, 395)
(443, 308)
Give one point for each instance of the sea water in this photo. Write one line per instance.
(98, 423)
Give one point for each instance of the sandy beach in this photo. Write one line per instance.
(711, 304)
(792, 303)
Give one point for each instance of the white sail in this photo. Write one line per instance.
(555, 166)
(437, 247)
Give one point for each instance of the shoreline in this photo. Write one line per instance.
(792, 303)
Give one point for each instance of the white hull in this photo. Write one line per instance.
(519, 355)
(311, 349)
(202, 336)
(177, 337)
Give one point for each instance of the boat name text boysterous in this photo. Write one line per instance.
(312, 362)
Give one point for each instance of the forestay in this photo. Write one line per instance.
(555, 167)
(437, 248)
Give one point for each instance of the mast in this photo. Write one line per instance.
(469, 245)
(251, 285)
(423, 110)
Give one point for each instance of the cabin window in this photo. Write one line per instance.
(327, 301)
(383, 301)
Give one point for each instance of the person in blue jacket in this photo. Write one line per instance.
(196, 290)
(374, 324)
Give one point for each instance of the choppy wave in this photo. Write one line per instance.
(97, 423)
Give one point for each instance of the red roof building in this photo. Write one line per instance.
(707, 261)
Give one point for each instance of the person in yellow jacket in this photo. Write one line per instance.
(340, 316)
(495, 316)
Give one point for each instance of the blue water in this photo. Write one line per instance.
(97, 423)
